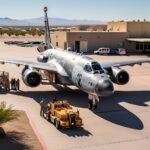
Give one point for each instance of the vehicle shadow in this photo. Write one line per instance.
(109, 108)
(77, 132)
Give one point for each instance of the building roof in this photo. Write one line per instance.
(138, 39)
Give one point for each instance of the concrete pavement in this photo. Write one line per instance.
(121, 122)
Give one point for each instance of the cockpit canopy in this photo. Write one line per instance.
(94, 67)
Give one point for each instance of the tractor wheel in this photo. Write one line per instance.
(41, 112)
(47, 116)
(57, 124)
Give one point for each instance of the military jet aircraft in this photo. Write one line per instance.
(69, 68)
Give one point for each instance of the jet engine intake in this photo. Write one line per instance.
(119, 76)
(31, 77)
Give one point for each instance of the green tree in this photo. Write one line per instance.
(6, 115)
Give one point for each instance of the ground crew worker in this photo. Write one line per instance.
(54, 100)
(42, 106)
(15, 84)
(13, 81)
(18, 84)
(7, 84)
(1, 84)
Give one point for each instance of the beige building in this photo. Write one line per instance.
(133, 36)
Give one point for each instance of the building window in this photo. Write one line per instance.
(137, 46)
(145, 46)
(57, 44)
(141, 46)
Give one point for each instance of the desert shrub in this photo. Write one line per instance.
(7, 113)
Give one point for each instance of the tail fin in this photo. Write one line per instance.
(47, 30)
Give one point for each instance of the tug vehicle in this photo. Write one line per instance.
(61, 114)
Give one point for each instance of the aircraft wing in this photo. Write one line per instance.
(37, 65)
(124, 63)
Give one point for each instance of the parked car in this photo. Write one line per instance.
(121, 51)
(70, 49)
(113, 52)
(102, 51)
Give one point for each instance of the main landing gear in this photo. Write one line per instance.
(93, 102)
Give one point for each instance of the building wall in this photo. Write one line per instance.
(116, 35)
(59, 39)
(138, 29)
(96, 40)
(134, 28)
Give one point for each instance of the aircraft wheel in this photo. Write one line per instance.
(92, 105)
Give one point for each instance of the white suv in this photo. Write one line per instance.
(102, 51)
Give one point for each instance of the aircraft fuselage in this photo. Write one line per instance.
(81, 71)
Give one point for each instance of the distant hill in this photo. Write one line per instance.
(53, 22)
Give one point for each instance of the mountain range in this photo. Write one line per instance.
(52, 21)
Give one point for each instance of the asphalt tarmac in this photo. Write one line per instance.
(121, 121)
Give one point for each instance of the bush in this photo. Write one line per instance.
(6, 113)
(22, 32)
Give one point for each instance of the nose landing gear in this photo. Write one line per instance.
(93, 102)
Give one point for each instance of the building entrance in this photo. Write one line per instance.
(77, 46)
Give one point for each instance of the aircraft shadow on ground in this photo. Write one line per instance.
(109, 107)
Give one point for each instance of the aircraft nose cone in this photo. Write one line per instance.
(104, 88)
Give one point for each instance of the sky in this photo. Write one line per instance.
(104, 10)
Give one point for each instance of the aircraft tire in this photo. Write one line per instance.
(91, 105)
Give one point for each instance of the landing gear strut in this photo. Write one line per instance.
(93, 102)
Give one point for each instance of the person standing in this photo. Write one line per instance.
(18, 84)
(11, 83)
(15, 84)
(7, 85)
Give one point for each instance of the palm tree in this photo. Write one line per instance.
(6, 115)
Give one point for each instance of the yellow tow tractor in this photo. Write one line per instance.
(61, 114)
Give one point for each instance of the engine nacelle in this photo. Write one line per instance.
(43, 59)
(31, 77)
(119, 76)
